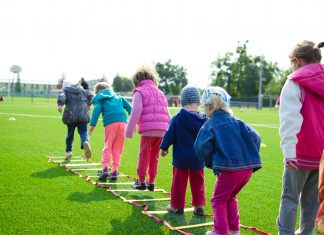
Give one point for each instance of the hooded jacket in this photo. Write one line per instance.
(77, 102)
(182, 133)
(111, 106)
(302, 116)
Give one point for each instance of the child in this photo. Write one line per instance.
(150, 111)
(76, 115)
(112, 107)
(182, 133)
(231, 148)
(301, 131)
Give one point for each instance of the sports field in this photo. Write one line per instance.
(40, 197)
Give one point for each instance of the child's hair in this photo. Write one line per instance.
(218, 98)
(145, 73)
(101, 86)
(307, 51)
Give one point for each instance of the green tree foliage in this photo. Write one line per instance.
(172, 77)
(18, 85)
(122, 84)
(239, 72)
(275, 85)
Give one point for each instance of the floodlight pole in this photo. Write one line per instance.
(260, 86)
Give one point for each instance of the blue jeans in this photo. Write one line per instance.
(82, 129)
(298, 186)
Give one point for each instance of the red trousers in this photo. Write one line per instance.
(179, 186)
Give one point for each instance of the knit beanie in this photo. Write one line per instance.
(189, 94)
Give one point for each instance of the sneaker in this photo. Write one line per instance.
(113, 175)
(139, 186)
(174, 210)
(68, 155)
(149, 186)
(199, 210)
(211, 233)
(87, 150)
(230, 232)
(103, 175)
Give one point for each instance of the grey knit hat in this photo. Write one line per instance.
(189, 94)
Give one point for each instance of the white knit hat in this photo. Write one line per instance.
(216, 90)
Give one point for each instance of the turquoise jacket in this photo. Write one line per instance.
(111, 106)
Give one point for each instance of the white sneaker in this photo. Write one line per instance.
(234, 232)
(210, 233)
(68, 155)
(87, 150)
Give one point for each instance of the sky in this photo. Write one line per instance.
(107, 37)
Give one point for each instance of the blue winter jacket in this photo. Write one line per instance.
(227, 143)
(182, 133)
(111, 106)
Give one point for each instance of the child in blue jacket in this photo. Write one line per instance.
(181, 134)
(231, 148)
(112, 107)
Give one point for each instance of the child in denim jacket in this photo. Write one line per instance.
(231, 148)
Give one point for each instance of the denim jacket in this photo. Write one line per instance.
(227, 143)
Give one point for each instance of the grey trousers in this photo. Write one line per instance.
(298, 186)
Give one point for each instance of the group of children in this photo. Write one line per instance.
(214, 139)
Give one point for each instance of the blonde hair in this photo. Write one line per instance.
(216, 102)
(145, 73)
(101, 86)
(308, 52)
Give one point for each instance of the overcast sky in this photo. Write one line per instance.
(94, 38)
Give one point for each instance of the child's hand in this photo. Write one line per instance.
(91, 128)
(292, 165)
(59, 108)
(163, 153)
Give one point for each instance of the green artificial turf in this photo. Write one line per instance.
(41, 197)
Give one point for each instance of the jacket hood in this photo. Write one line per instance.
(74, 88)
(310, 77)
(102, 95)
(192, 120)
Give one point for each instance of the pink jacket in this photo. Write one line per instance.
(302, 116)
(155, 114)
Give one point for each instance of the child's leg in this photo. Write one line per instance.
(118, 144)
(233, 217)
(82, 130)
(309, 203)
(153, 159)
(178, 188)
(227, 182)
(109, 137)
(69, 137)
(197, 186)
(143, 160)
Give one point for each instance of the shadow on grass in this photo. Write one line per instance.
(97, 194)
(136, 223)
(51, 173)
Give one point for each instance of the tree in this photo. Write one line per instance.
(239, 72)
(122, 84)
(18, 85)
(172, 77)
(275, 86)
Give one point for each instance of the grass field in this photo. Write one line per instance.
(41, 197)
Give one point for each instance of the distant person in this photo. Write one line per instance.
(1, 98)
(112, 108)
(301, 131)
(277, 102)
(76, 115)
(231, 148)
(182, 133)
(150, 111)
(84, 84)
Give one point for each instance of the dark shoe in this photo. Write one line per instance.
(139, 186)
(149, 186)
(199, 211)
(113, 175)
(103, 175)
(174, 210)
(87, 150)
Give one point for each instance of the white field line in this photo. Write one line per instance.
(272, 126)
